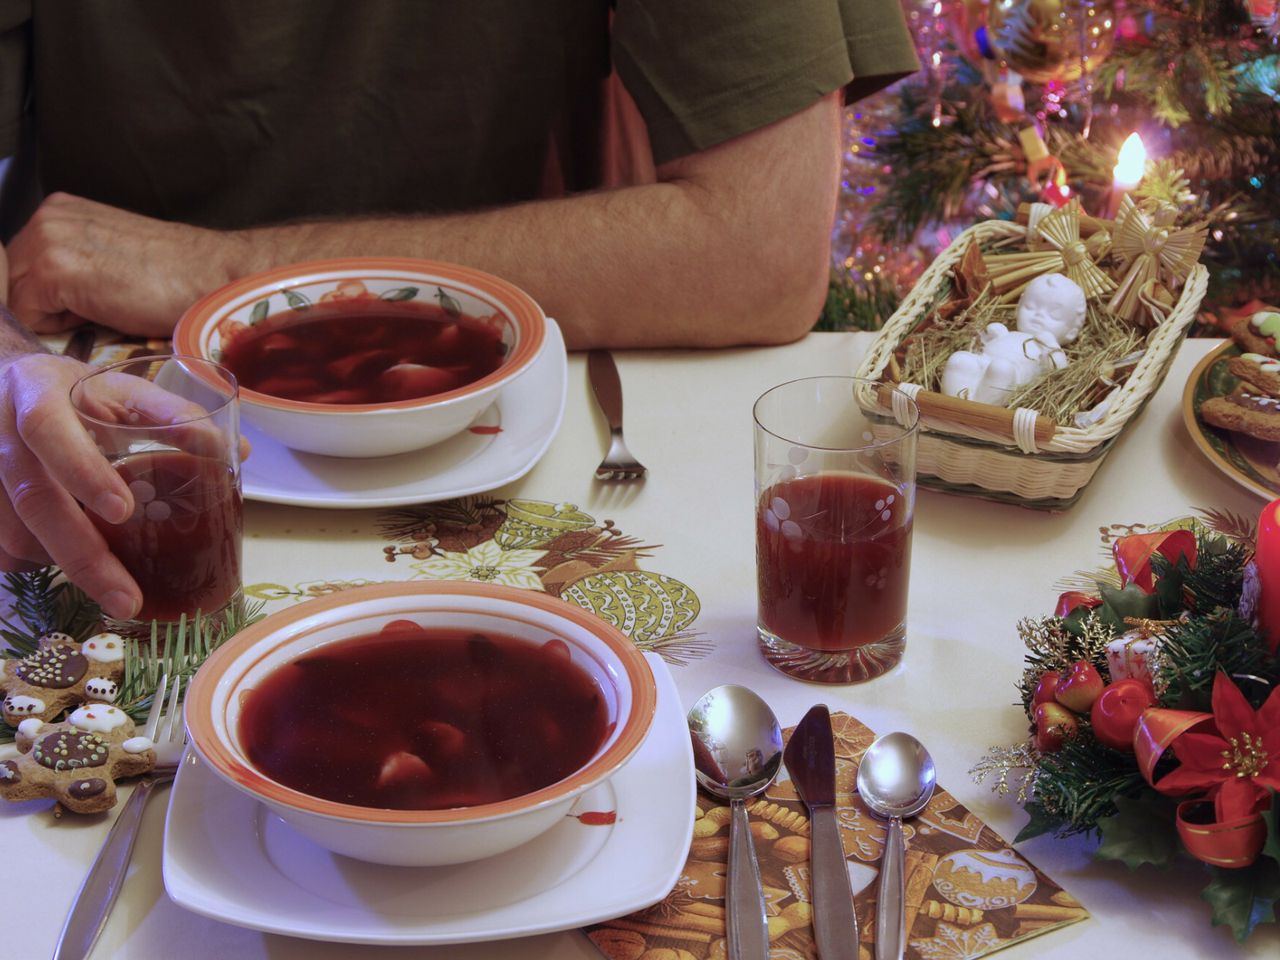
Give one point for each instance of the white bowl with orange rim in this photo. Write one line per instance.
(303, 340)
(221, 701)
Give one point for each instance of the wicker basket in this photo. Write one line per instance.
(1015, 455)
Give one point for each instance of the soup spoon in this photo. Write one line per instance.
(737, 751)
(895, 780)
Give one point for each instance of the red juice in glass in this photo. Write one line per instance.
(182, 543)
(833, 557)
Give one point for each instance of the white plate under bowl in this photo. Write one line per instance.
(501, 445)
(227, 857)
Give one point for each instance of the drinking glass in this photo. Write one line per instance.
(170, 426)
(835, 484)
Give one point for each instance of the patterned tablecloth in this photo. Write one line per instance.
(671, 561)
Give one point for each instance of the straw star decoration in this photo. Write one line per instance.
(1062, 251)
(1154, 250)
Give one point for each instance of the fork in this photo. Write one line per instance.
(97, 895)
(618, 463)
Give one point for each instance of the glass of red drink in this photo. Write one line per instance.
(170, 425)
(835, 483)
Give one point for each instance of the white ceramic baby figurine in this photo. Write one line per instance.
(1051, 312)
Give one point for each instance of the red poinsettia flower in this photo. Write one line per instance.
(1236, 764)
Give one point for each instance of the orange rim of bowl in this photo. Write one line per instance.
(200, 703)
(524, 312)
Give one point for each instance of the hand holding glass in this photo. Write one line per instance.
(170, 428)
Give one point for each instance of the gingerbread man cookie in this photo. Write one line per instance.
(62, 674)
(1257, 333)
(1257, 416)
(77, 761)
(1262, 373)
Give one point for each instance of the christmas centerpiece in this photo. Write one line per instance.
(1029, 345)
(1153, 707)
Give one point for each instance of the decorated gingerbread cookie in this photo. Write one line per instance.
(1260, 372)
(1257, 333)
(1244, 412)
(78, 760)
(61, 674)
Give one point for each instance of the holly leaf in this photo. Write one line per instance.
(1139, 832)
(1169, 590)
(1244, 898)
(1132, 601)
(1041, 822)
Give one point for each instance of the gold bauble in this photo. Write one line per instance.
(1051, 39)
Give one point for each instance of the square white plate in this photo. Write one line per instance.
(501, 445)
(227, 857)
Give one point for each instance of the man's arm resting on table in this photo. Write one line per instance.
(730, 246)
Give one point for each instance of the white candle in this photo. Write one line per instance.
(1130, 166)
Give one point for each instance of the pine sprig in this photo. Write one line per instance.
(180, 652)
(1217, 578)
(1079, 783)
(1192, 654)
(44, 604)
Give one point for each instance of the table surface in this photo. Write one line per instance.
(978, 567)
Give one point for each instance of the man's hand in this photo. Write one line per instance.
(78, 260)
(49, 466)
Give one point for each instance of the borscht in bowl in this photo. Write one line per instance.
(366, 356)
(422, 723)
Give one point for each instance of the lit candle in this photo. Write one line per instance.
(1130, 166)
(1267, 557)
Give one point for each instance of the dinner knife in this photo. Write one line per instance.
(811, 761)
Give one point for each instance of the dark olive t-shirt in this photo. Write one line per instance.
(243, 112)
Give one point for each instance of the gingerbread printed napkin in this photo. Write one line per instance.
(968, 893)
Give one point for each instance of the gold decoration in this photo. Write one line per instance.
(1047, 40)
(1062, 251)
(1155, 251)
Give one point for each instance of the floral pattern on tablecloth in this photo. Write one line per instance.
(536, 545)
(968, 893)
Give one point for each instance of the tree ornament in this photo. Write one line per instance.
(1058, 234)
(1052, 39)
(1154, 250)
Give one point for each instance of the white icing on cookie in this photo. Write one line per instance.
(97, 718)
(137, 745)
(20, 704)
(104, 648)
(57, 639)
(102, 688)
(30, 726)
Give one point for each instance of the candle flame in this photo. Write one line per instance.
(1131, 164)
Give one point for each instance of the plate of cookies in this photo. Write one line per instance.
(1231, 405)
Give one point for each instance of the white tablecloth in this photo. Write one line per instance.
(978, 567)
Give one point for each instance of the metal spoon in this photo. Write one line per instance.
(737, 751)
(895, 780)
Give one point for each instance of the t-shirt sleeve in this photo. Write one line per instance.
(15, 41)
(704, 72)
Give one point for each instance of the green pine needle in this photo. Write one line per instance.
(43, 603)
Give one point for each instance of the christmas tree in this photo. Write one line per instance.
(1033, 100)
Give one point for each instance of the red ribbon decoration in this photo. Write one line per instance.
(1232, 843)
(1133, 561)
(1075, 598)
(1133, 554)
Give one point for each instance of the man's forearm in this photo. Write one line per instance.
(735, 252)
